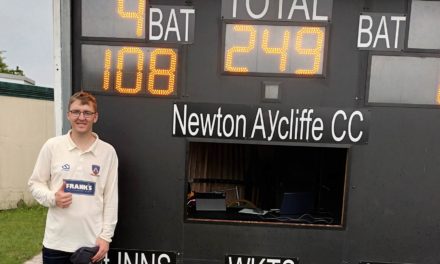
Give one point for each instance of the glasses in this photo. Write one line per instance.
(77, 113)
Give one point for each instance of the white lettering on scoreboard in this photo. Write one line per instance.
(132, 256)
(257, 123)
(280, 10)
(379, 31)
(239, 259)
(171, 24)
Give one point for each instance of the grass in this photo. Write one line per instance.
(21, 233)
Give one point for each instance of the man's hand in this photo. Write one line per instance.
(103, 249)
(63, 199)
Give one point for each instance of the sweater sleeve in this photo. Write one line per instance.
(110, 214)
(39, 181)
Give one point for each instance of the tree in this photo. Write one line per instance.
(4, 67)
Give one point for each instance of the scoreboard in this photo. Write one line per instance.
(269, 131)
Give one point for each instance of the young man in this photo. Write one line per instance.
(76, 176)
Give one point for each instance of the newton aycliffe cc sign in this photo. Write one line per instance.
(261, 123)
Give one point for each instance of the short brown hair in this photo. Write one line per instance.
(84, 98)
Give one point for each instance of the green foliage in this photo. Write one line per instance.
(21, 233)
(4, 67)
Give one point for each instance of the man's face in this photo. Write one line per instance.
(82, 117)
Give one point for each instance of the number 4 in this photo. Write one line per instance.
(138, 15)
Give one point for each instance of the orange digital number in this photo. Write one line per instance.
(438, 94)
(282, 51)
(170, 72)
(107, 68)
(120, 66)
(137, 15)
(315, 52)
(230, 52)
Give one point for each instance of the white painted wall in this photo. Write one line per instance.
(25, 124)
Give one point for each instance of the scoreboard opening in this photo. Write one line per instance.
(267, 184)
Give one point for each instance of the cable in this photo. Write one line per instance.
(305, 218)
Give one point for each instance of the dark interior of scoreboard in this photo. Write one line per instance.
(266, 184)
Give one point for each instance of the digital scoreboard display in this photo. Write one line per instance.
(129, 47)
(134, 48)
(293, 50)
(113, 19)
(130, 70)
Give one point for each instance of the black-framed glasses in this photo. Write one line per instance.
(77, 113)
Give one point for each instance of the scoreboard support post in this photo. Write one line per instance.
(63, 63)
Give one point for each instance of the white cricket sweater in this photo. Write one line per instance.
(92, 178)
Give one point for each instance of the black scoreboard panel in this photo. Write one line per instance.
(384, 196)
